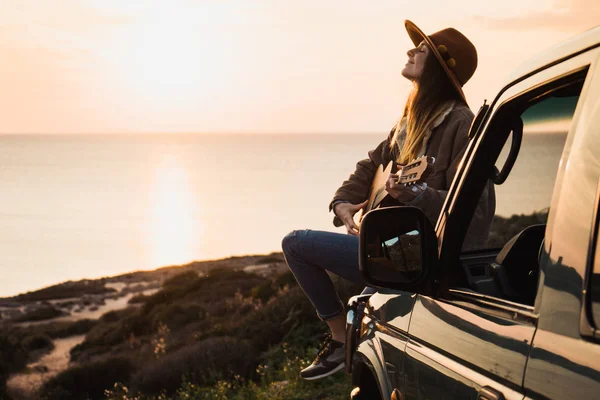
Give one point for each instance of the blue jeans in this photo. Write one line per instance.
(310, 254)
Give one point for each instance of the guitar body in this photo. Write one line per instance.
(378, 192)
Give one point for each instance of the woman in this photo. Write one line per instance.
(435, 122)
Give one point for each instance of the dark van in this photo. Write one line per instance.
(520, 318)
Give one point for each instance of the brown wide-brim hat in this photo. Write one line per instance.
(453, 50)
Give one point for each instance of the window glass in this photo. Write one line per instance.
(524, 198)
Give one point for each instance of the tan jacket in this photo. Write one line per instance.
(447, 143)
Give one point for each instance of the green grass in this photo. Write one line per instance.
(277, 378)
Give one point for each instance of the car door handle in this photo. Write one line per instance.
(391, 368)
(488, 393)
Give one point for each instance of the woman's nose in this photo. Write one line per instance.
(410, 52)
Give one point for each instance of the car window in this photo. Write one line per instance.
(524, 198)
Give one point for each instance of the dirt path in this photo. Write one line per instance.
(23, 386)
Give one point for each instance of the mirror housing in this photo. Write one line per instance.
(398, 249)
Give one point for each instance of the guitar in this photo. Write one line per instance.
(413, 172)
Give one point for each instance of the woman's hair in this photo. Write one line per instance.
(425, 105)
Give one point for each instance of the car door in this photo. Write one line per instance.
(472, 340)
(392, 310)
(565, 358)
(469, 347)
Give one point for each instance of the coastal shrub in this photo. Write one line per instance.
(220, 284)
(227, 283)
(173, 289)
(88, 381)
(110, 334)
(37, 342)
(270, 260)
(53, 329)
(278, 318)
(41, 314)
(165, 296)
(13, 357)
(136, 324)
(289, 316)
(63, 329)
(138, 298)
(78, 327)
(202, 363)
(286, 316)
(287, 278)
(504, 229)
(176, 316)
(117, 327)
(224, 308)
(66, 290)
(104, 336)
(263, 292)
(211, 288)
(116, 315)
(183, 279)
(84, 352)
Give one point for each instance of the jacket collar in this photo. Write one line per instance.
(401, 137)
(447, 109)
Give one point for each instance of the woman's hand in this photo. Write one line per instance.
(400, 192)
(345, 212)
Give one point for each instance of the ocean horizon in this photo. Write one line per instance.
(78, 206)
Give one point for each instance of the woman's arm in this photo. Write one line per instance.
(355, 189)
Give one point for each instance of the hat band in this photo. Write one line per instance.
(449, 60)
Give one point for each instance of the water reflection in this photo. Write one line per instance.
(175, 231)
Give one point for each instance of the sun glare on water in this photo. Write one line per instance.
(174, 235)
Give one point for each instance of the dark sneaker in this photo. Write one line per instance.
(330, 360)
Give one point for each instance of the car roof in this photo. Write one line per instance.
(585, 40)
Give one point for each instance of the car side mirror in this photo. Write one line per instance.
(398, 248)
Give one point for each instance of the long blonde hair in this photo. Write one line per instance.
(426, 104)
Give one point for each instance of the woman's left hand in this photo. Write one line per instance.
(400, 192)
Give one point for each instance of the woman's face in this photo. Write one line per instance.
(416, 62)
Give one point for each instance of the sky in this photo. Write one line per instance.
(306, 66)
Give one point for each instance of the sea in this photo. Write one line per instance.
(88, 206)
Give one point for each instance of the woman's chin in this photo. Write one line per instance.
(406, 73)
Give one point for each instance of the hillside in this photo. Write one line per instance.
(215, 328)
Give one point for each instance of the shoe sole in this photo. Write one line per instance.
(333, 371)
